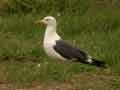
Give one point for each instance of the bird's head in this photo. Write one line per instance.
(48, 21)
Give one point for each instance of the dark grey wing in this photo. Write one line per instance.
(69, 52)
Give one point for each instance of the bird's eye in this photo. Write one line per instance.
(47, 19)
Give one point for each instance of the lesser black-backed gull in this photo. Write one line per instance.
(56, 47)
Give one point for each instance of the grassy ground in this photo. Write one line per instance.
(23, 63)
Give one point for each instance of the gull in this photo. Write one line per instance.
(57, 48)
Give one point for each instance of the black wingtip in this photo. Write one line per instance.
(99, 63)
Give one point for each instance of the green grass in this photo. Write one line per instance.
(95, 28)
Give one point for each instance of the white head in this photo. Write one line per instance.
(50, 31)
(48, 21)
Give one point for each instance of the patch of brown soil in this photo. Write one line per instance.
(84, 81)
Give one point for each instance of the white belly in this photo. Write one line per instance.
(49, 41)
(48, 47)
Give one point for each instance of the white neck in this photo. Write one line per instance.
(51, 34)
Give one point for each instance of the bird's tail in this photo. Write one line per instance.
(98, 63)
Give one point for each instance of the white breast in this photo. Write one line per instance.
(49, 43)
